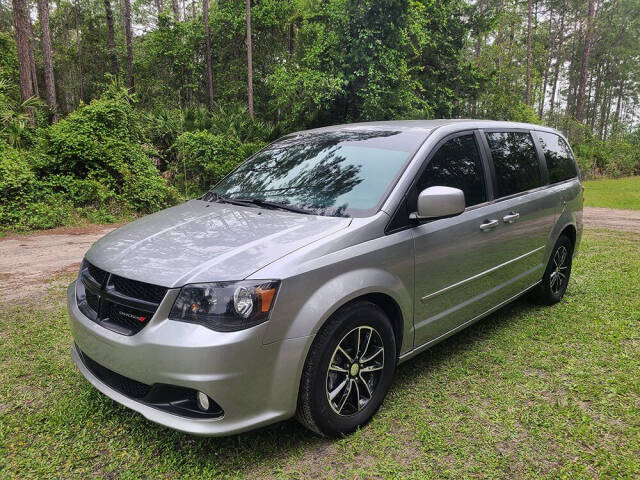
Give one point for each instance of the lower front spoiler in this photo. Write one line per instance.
(203, 427)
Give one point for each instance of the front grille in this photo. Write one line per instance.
(117, 303)
(97, 274)
(141, 290)
(126, 386)
(92, 301)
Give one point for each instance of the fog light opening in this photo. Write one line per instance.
(203, 401)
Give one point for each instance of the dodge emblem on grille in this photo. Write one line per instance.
(131, 315)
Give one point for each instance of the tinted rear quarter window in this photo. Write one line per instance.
(515, 162)
(557, 154)
(457, 164)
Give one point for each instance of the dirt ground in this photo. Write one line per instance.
(28, 261)
(613, 219)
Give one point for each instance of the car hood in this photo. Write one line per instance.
(200, 241)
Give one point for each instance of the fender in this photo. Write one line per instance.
(336, 292)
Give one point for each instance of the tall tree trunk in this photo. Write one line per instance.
(111, 38)
(499, 39)
(603, 109)
(158, 6)
(616, 119)
(47, 59)
(585, 61)
(207, 39)
(596, 98)
(607, 112)
(547, 65)
(249, 60)
(80, 77)
(20, 18)
(126, 20)
(32, 57)
(572, 86)
(176, 10)
(559, 59)
(480, 9)
(527, 94)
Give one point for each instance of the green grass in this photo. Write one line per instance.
(621, 193)
(529, 392)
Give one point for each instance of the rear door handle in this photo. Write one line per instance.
(512, 217)
(489, 225)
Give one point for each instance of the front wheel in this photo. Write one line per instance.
(556, 276)
(348, 370)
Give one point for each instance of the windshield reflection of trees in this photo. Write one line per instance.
(315, 188)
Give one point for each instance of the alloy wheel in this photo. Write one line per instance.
(354, 370)
(558, 277)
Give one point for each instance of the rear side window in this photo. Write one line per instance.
(558, 157)
(457, 164)
(515, 161)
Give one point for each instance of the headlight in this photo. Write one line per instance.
(225, 306)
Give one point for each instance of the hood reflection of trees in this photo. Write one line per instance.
(316, 188)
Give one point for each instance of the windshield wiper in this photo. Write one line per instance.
(250, 202)
(216, 197)
(267, 204)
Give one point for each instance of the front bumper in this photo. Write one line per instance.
(255, 384)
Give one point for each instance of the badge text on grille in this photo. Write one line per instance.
(131, 315)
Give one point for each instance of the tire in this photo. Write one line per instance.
(360, 323)
(556, 275)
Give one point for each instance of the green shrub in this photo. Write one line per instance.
(617, 157)
(16, 175)
(204, 158)
(93, 164)
(98, 155)
(27, 203)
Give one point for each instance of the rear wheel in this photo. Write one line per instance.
(556, 275)
(348, 370)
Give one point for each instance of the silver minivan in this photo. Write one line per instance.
(299, 282)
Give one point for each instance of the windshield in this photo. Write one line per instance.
(340, 173)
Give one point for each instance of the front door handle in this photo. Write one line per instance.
(489, 225)
(512, 217)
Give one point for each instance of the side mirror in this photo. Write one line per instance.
(436, 202)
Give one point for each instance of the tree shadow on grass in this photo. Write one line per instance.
(270, 446)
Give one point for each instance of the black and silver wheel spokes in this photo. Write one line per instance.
(559, 277)
(355, 370)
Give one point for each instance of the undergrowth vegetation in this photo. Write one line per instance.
(108, 161)
(94, 164)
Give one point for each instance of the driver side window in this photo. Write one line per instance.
(457, 164)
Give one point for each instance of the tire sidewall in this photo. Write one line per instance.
(361, 314)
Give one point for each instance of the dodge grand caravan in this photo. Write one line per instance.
(298, 283)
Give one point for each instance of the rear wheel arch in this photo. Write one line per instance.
(570, 232)
(564, 226)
